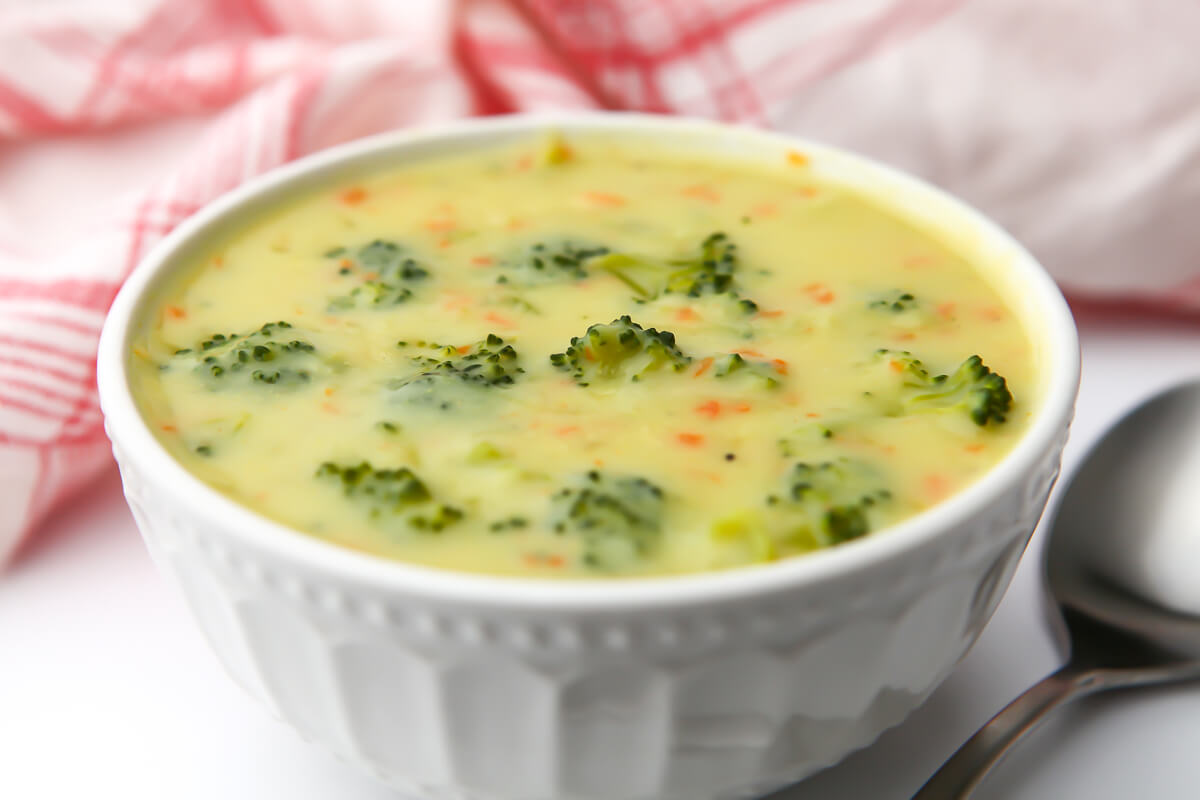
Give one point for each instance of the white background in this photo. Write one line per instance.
(107, 689)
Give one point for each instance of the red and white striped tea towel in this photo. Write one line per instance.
(1074, 123)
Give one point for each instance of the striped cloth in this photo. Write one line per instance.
(118, 120)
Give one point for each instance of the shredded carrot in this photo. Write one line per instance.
(440, 224)
(544, 560)
(566, 430)
(812, 415)
(936, 486)
(599, 462)
(746, 351)
(499, 319)
(169, 428)
(742, 408)
(686, 314)
(781, 366)
(797, 159)
(456, 301)
(946, 310)
(588, 354)
(371, 276)
(604, 199)
(906, 336)
(808, 191)
(329, 391)
(895, 366)
(444, 242)
(975, 447)
(992, 313)
(765, 210)
(514, 224)
(218, 261)
(773, 314)
(175, 312)
(346, 263)
(482, 261)
(353, 196)
(330, 408)
(525, 162)
(690, 439)
(711, 409)
(701, 191)
(703, 368)
(820, 293)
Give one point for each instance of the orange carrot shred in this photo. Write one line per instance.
(499, 319)
(566, 430)
(701, 191)
(797, 159)
(330, 408)
(329, 391)
(482, 261)
(686, 314)
(703, 368)
(746, 351)
(975, 447)
(781, 366)
(946, 310)
(353, 196)
(936, 486)
(346, 263)
(711, 409)
(175, 312)
(604, 199)
(690, 439)
(169, 428)
(742, 408)
(463, 349)
(774, 314)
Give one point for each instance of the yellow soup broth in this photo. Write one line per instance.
(583, 359)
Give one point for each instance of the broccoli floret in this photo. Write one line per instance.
(896, 302)
(618, 517)
(268, 356)
(972, 388)
(389, 274)
(732, 364)
(711, 271)
(550, 262)
(392, 497)
(455, 375)
(829, 502)
(618, 348)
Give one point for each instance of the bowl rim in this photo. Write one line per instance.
(127, 429)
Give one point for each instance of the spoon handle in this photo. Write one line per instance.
(962, 773)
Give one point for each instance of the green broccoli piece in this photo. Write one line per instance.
(733, 364)
(618, 348)
(392, 497)
(453, 376)
(553, 262)
(390, 273)
(896, 302)
(266, 356)
(828, 503)
(972, 388)
(618, 517)
(712, 271)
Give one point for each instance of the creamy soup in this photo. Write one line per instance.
(584, 358)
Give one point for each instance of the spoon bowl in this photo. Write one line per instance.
(1115, 632)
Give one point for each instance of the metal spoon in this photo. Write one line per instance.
(1115, 637)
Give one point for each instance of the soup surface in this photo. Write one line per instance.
(584, 358)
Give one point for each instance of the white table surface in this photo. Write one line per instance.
(107, 689)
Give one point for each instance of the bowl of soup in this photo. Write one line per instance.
(588, 456)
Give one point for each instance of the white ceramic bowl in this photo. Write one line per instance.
(462, 687)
